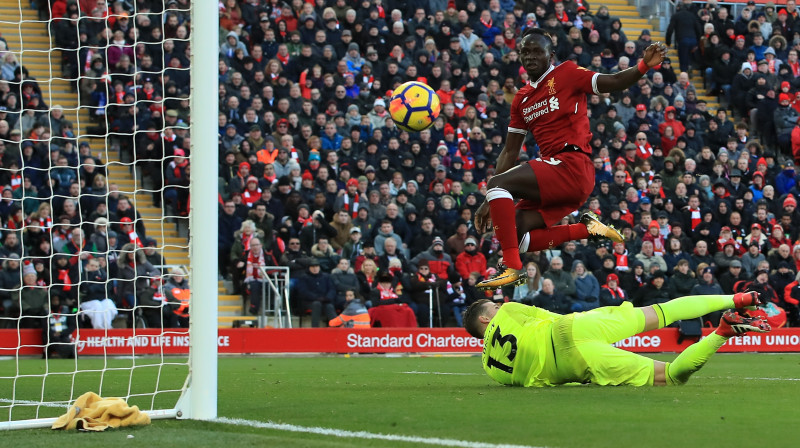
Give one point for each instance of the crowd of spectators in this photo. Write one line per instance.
(748, 55)
(314, 171)
(75, 251)
(315, 176)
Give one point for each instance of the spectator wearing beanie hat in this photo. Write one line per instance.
(354, 59)
(654, 235)
(449, 136)
(777, 238)
(465, 153)
(351, 200)
(251, 193)
(471, 260)
(593, 44)
(785, 181)
(238, 183)
(785, 117)
(750, 260)
(442, 146)
(377, 116)
(419, 285)
(757, 185)
(307, 188)
(654, 292)
(789, 206)
(790, 201)
(610, 293)
(439, 261)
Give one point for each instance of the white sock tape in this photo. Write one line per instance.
(498, 193)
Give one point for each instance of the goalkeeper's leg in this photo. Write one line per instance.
(614, 323)
(690, 307)
(696, 355)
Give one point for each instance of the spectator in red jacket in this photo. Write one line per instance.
(471, 260)
(725, 235)
(440, 263)
(610, 293)
(769, 309)
(670, 120)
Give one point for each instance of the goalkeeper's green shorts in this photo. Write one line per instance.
(584, 354)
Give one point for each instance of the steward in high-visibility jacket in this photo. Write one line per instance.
(355, 315)
(176, 292)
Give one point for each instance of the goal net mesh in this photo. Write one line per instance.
(94, 146)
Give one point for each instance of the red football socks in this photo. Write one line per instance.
(503, 213)
(550, 237)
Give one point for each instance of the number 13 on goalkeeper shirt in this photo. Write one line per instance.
(516, 344)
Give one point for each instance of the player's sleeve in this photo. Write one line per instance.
(583, 79)
(517, 122)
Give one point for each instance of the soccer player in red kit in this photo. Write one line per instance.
(552, 106)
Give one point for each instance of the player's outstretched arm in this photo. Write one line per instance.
(653, 55)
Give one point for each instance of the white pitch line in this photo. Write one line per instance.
(414, 372)
(363, 434)
(752, 378)
(34, 403)
(775, 379)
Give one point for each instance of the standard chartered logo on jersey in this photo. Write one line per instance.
(540, 108)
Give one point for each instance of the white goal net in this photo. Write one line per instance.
(95, 152)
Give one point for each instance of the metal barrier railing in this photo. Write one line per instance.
(275, 297)
(654, 10)
(430, 307)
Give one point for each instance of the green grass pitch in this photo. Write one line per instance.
(736, 400)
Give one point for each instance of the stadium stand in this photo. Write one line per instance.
(695, 167)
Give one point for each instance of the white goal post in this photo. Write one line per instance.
(202, 392)
(41, 389)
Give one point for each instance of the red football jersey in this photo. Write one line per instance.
(554, 109)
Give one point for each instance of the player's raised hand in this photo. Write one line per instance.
(654, 54)
(482, 217)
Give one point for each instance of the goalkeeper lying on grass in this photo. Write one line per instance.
(528, 346)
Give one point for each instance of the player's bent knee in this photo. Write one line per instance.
(519, 181)
(659, 373)
(651, 321)
(496, 182)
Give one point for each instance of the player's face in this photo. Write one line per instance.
(535, 53)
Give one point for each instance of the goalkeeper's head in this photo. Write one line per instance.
(478, 316)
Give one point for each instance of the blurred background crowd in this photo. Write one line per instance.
(312, 165)
(314, 175)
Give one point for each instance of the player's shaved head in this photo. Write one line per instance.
(539, 36)
(471, 315)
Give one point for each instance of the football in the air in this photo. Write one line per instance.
(414, 106)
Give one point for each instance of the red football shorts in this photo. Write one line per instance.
(565, 182)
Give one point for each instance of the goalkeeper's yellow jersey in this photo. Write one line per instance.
(516, 344)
